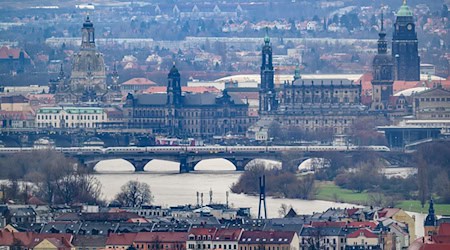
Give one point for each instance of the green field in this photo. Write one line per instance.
(330, 192)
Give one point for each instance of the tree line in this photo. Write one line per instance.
(55, 179)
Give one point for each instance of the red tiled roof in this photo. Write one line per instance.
(125, 239)
(351, 211)
(388, 212)
(139, 81)
(6, 53)
(227, 234)
(143, 237)
(365, 232)
(444, 229)
(30, 239)
(203, 231)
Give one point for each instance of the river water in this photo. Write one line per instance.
(171, 188)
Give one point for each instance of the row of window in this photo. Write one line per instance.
(215, 246)
(435, 99)
(336, 121)
(161, 113)
(62, 125)
(71, 117)
(326, 92)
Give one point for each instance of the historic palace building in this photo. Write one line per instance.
(405, 46)
(87, 81)
(187, 114)
(312, 105)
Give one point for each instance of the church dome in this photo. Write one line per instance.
(405, 10)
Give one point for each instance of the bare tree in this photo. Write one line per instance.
(134, 194)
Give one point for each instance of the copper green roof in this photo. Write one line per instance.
(267, 38)
(71, 110)
(404, 10)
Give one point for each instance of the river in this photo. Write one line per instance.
(171, 188)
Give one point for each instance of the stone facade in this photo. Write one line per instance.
(433, 104)
(185, 114)
(312, 105)
(405, 46)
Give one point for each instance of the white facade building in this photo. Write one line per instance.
(70, 117)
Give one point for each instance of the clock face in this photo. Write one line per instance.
(409, 27)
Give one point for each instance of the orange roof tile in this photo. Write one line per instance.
(139, 81)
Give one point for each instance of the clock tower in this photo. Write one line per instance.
(405, 46)
(383, 74)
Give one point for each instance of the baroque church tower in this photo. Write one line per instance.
(405, 46)
(267, 94)
(383, 73)
(430, 223)
(88, 66)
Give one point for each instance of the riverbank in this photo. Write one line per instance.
(328, 191)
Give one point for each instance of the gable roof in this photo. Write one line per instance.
(14, 53)
(161, 237)
(362, 232)
(139, 81)
(266, 237)
(125, 239)
(227, 235)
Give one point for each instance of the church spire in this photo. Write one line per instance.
(266, 37)
(61, 75)
(382, 43)
(431, 217)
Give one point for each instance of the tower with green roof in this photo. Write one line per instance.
(405, 46)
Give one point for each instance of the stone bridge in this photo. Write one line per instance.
(240, 160)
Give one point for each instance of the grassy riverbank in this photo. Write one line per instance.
(330, 192)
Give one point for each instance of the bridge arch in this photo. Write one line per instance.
(114, 165)
(160, 165)
(215, 164)
(312, 164)
(267, 163)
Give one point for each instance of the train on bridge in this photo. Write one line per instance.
(198, 149)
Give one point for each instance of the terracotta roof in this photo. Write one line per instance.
(30, 239)
(444, 229)
(365, 232)
(161, 237)
(139, 81)
(227, 235)
(121, 239)
(388, 212)
(6, 53)
(203, 231)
